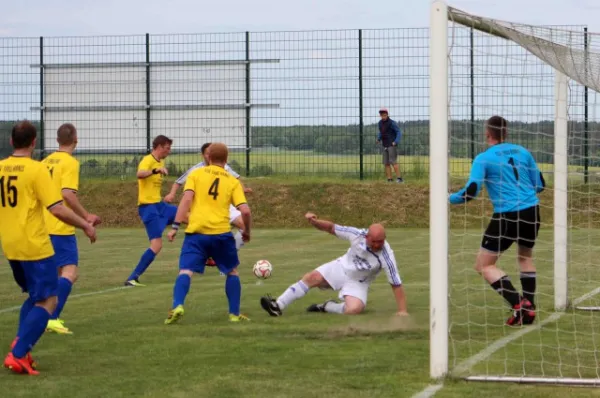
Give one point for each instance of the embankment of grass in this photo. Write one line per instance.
(281, 204)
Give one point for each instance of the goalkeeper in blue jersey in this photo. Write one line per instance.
(513, 180)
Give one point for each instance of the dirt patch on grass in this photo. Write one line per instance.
(282, 205)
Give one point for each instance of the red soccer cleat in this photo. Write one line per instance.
(28, 357)
(210, 263)
(19, 365)
(523, 314)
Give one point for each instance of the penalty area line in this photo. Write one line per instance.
(484, 354)
(96, 293)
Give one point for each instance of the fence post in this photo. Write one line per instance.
(472, 73)
(361, 124)
(148, 138)
(586, 143)
(42, 124)
(248, 108)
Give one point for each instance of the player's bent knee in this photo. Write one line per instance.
(69, 272)
(48, 304)
(233, 272)
(186, 272)
(156, 245)
(314, 279)
(354, 309)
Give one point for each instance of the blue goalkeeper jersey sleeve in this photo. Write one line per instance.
(510, 175)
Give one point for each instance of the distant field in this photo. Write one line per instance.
(303, 163)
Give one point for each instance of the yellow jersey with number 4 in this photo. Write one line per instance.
(26, 189)
(64, 170)
(149, 188)
(214, 190)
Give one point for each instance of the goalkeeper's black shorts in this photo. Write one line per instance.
(515, 226)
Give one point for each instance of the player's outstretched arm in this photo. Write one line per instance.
(322, 225)
(473, 187)
(182, 211)
(400, 299)
(247, 218)
(73, 201)
(170, 197)
(68, 216)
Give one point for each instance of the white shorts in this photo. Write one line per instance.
(233, 214)
(338, 280)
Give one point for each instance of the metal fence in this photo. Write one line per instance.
(286, 103)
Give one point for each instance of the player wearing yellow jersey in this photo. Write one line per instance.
(208, 192)
(64, 170)
(25, 190)
(154, 213)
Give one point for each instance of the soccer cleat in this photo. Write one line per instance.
(523, 314)
(174, 315)
(19, 365)
(134, 282)
(210, 262)
(270, 305)
(28, 357)
(57, 326)
(399, 180)
(319, 307)
(238, 318)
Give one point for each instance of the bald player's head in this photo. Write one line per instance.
(376, 237)
(217, 153)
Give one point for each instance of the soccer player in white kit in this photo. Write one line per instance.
(350, 274)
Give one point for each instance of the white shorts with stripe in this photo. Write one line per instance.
(334, 274)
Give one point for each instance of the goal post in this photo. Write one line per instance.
(532, 76)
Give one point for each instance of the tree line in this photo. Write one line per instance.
(466, 138)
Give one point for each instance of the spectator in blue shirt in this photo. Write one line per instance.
(389, 136)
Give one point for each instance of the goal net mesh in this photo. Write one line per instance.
(508, 69)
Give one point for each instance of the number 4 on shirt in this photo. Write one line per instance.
(214, 189)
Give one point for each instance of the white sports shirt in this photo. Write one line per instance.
(181, 180)
(361, 263)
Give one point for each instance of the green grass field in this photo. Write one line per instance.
(121, 348)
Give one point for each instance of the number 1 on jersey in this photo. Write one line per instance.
(511, 161)
(214, 189)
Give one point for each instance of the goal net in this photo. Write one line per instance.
(544, 81)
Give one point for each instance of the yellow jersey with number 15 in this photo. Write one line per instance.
(64, 170)
(26, 189)
(149, 188)
(214, 190)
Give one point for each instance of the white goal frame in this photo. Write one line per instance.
(439, 208)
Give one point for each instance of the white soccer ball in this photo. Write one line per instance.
(262, 269)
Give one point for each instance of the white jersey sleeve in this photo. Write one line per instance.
(231, 171)
(181, 180)
(389, 265)
(347, 233)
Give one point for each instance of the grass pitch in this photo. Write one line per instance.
(121, 347)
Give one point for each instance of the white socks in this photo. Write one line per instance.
(293, 293)
(334, 308)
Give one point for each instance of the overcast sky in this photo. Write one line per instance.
(113, 17)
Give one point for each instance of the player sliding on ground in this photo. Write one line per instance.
(64, 170)
(26, 188)
(154, 213)
(207, 195)
(513, 180)
(235, 217)
(350, 274)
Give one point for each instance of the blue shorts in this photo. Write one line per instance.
(65, 250)
(38, 278)
(197, 248)
(156, 217)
